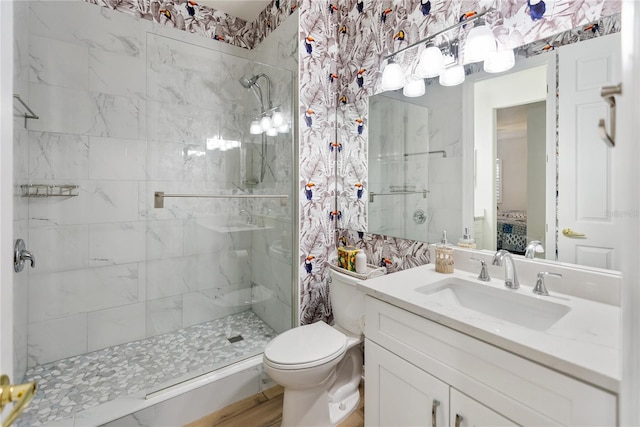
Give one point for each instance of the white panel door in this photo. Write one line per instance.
(397, 393)
(466, 412)
(585, 181)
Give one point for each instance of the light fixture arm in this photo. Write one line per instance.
(429, 38)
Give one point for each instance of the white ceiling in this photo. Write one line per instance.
(245, 9)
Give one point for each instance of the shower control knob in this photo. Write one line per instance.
(419, 216)
(20, 255)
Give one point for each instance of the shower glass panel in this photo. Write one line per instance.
(218, 252)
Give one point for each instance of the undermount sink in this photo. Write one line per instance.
(528, 311)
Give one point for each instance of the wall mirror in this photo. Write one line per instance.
(502, 155)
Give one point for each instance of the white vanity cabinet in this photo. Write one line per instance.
(412, 362)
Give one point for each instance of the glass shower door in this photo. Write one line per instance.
(218, 251)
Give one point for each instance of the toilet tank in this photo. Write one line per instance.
(347, 302)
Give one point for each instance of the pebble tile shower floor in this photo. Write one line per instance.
(81, 382)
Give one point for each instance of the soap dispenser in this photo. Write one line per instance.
(466, 241)
(444, 256)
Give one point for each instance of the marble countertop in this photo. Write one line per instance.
(584, 343)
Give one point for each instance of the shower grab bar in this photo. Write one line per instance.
(31, 114)
(444, 153)
(159, 196)
(372, 195)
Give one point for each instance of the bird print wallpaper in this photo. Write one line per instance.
(342, 46)
(189, 15)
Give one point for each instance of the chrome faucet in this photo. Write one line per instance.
(534, 246)
(249, 215)
(540, 288)
(510, 276)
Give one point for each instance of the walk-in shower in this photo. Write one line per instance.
(129, 298)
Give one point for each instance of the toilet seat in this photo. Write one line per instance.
(305, 347)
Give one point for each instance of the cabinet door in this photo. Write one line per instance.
(398, 393)
(466, 412)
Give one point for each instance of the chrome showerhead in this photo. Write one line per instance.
(251, 82)
(248, 82)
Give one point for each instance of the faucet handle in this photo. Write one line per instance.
(484, 273)
(534, 246)
(540, 288)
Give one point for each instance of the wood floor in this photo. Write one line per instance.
(265, 410)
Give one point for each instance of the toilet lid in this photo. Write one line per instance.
(317, 342)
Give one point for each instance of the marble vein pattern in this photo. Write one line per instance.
(71, 385)
(341, 60)
(188, 15)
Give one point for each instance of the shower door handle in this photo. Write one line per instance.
(20, 255)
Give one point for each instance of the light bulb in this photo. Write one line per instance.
(277, 118)
(284, 128)
(452, 76)
(480, 44)
(266, 123)
(392, 76)
(414, 87)
(500, 61)
(255, 128)
(431, 63)
(272, 132)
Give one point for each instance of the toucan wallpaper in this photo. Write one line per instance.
(341, 51)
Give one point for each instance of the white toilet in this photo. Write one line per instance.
(318, 365)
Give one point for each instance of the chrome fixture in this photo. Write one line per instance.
(419, 216)
(372, 195)
(510, 276)
(444, 62)
(46, 190)
(29, 114)
(534, 246)
(20, 255)
(270, 121)
(159, 196)
(484, 273)
(608, 92)
(249, 216)
(540, 288)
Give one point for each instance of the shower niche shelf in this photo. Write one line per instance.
(45, 190)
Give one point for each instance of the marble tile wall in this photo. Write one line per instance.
(341, 65)
(128, 113)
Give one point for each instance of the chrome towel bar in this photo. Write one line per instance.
(159, 196)
(31, 114)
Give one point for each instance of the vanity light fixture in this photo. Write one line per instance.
(277, 119)
(414, 87)
(255, 128)
(452, 75)
(431, 62)
(266, 123)
(499, 61)
(480, 43)
(392, 76)
(480, 46)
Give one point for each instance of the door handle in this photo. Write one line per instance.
(459, 419)
(20, 255)
(434, 408)
(608, 92)
(19, 395)
(567, 232)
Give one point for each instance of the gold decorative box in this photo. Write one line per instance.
(347, 257)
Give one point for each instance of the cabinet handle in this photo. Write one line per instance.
(458, 420)
(434, 408)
